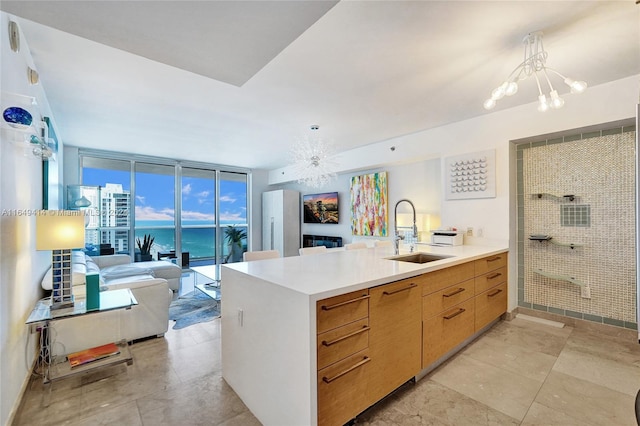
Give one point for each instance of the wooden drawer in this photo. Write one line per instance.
(340, 310)
(445, 331)
(342, 389)
(490, 279)
(438, 280)
(341, 342)
(395, 316)
(490, 305)
(437, 302)
(490, 263)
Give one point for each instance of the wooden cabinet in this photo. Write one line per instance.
(343, 364)
(491, 289)
(370, 342)
(446, 330)
(447, 310)
(459, 301)
(395, 335)
(490, 305)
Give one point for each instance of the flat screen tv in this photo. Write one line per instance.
(320, 208)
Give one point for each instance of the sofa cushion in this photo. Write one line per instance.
(124, 271)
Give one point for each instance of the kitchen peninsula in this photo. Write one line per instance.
(317, 339)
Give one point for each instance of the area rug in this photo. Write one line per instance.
(193, 308)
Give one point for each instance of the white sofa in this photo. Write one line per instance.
(150, 317)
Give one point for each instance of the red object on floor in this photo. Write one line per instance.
(89, 355)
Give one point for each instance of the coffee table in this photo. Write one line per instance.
(210, 285)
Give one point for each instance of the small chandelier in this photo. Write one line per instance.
(535, 58)
(312, 162)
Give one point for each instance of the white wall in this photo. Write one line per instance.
(417, 181)
(21, 267)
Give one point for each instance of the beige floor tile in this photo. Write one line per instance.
(531, 336)
(243, 419)
(618, 376)
(35, 412)
(206, 400)
(585, 401)
(493, 350)
(502, 390)
(126, 414)
(540, 415)
(430, 403)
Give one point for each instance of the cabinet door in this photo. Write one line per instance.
(490, 279)
(446, 330)
(342, 389)
(490, 263)
(395, 337)
(490, 305)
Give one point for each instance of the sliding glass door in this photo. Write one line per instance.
(155, 212)
(198, 214)
(232, 223)
(195, 214)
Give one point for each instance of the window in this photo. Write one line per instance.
(207, 221)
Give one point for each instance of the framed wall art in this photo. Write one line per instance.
(369, 213)
(470, 176)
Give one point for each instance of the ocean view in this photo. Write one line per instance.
(198, 237)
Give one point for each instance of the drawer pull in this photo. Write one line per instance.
(454, 292)
(409, 287)
(493, 259)
(337, 305)
(342, 373)
(455, 314)
(346, 336)
(496, 275)
(495, 293)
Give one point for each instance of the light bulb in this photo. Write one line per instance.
(556, 101)
(499, 92)
(543, 106)
(512, 88)
(489, 103)
(576, 86)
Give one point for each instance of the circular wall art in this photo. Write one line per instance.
(17, 117)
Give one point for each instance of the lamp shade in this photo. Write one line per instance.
(59, 229)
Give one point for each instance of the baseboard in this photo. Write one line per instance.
(610, 330)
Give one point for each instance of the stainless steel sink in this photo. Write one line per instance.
(418, 257)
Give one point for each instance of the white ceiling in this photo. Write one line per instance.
(238, 82)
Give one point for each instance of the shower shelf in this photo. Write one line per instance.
(567, 278)
(549, 238)
(570, 197)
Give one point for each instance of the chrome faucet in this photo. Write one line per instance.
(398, 237)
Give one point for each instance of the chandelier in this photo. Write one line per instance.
(312, 161)
(535, 59)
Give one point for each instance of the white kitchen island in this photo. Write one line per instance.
(269, 320)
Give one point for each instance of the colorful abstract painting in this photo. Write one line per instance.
(369, 205)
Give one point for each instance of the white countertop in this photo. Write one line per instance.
(341, 271)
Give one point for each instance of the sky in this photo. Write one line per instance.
(155, 195)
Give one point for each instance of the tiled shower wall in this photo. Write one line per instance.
(593, 231)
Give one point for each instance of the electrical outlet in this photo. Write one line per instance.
(480, 233)
(585, 292)
(469, 231)
(240, 317)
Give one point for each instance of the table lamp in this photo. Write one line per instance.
(60, 231)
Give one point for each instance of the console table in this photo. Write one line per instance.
(58, 367)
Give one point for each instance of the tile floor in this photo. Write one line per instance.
(518, 373)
